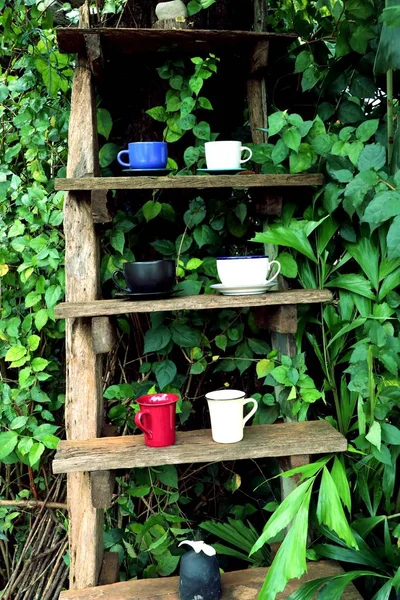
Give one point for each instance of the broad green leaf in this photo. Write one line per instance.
(373, 156)
(390, 434)
(52, 295)
(290, 560)
(384, 206)
(393, 239)
(280, 152)
(165, 372)
(367, 129)
(292, 138)
(15, 353)
(156, 339)
(350, 112)
(374, 434)
(330, 511)
(8, 441)
(41, 317)
(32, 298)
(35, 453)
(108, 153)
(357, 189)
(117, 240)
(283, 236)
(204, 103)
(104, 122)
(288, 265)
(151, 209)
(276, 122)
(202, 131)
(303, 60)
(388, 54)
(310, 78)
(168, 475)
(285, 513)
(385, 592)
(367, 256)
(353, 283)
(38, 364)
(309, 589)
(264, 367)
(185, 336)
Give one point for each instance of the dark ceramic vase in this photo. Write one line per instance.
(199, 577)
(147, 277)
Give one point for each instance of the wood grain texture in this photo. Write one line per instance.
(202, 302)
(279, 439)
(103, 334)
(281, 319)
(188, 182)
(109, 569)
(83, 406)
(102, 488)
(138, 40)
(238, 585)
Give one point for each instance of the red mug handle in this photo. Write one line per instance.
(138, 420)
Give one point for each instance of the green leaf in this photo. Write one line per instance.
(341, 482)
(280, 152)
(374, 435)
(15, 353)
(373, 156)
(151, 209)
(221, 341)
(350, 112)
(204, 103)
(33, 342)
(35, 453)
(185, 336)
(193, 264)
(259, 346)
(39, 364)
(165, 372)
(393, 239)
(384, 206)
(367, 256)
(330, 511)
(117, 241)
(187, 122)
(187, 105)
(290, 560)
(367, 129)
(108, 153)
(303, 60)
(156, 339)
(276, 122)
(390, 434)
(32, 298)
(264, 367)
(353, 283)
(168, 475)
(310, 78)
(104, 122)
(191, 156)
(193, 7)
(18, 422)
(202, 131)
(8, 441)
(52, 295)
(283, 236)
(203, 234)
(292, 138)
(41, 317)
(187, 288)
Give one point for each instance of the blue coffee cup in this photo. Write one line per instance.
(145, 155)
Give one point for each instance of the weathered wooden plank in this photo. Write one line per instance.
(83, 407)
(202, 302)
(109, 569)
(149, 40)
(189, 182)
(279, 439)
(103, 334)
(238, 585)
(102, 488)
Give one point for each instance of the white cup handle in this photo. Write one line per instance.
(248, 150)
(253, 410)
(277, 272)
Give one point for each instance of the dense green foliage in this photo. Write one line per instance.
(347, 239)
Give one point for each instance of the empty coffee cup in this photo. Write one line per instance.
(145, 155)
(225, 155)
(147, 277)
(226, 412)
(246, 270)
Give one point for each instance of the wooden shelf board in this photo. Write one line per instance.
(237, 585)
(188, 182)
(99, 308)
(128, 40)
(259, 441)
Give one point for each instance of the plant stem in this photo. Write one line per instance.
(389, 114)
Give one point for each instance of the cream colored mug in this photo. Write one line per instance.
(226, 412)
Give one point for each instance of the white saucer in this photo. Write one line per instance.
(243, 290)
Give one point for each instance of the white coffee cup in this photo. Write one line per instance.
(226, 411)
(246, 270)
(225, 155)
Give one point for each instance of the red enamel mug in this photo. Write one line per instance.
(156, 419)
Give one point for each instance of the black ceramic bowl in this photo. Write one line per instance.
(147, 277)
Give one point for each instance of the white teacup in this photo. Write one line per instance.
(225, 155)
(226, 411)
(246, 270)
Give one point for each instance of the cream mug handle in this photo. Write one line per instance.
(277, 272)
(253, 410)
(248, 150)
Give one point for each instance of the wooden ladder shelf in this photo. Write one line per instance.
(87, 458)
